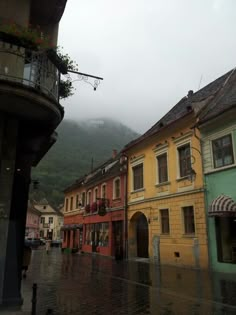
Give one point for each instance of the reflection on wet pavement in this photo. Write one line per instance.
(91, 284)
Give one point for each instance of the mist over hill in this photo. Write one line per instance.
(80, 146)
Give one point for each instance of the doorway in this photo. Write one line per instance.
(142, 236)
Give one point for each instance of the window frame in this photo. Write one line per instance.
(162, 223)
(115, 195)
(187, 224)
(158, 156)
(222, 151)
(134, 167)
(103, 190)
(66, 204)
(95, 194)
(179, 147)
(83, 199)
(71, 203)
(89, 197)
(42, 220)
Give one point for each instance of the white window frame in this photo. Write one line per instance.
(94, 194)
(161, 232)
(114, 187)
(159, 152)
(183, 220)
(89, 197)
(218, 136)
(104, 185)
(135, 161)
(178, 146)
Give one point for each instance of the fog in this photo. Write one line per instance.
(149, 52)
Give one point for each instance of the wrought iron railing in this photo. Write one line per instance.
(29, 68)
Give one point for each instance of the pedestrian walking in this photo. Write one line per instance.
(26, 259)
(48, 245)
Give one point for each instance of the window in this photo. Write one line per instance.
(116, 188)
(83, 199)
(66, 204)
(50, 220)
(223, 151)
(95, 194)
(71, 203)
(165, 225)
(189, 226)
(138, 177)
(103, 191)
(89, 197)
(77, 201)
(184, 160)
(42, 221)
(162, 168)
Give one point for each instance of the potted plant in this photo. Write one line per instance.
(94, 207)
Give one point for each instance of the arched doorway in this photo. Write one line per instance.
(142, 236)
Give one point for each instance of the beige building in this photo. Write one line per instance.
(51, 220)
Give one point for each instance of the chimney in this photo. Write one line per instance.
(190, 93)
(114, 153)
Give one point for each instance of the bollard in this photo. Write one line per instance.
(34, 299)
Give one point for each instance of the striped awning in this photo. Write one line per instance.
(222, 206)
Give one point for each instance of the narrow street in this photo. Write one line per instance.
(87, 284)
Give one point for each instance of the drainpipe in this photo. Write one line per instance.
(126, 215)
(205, 191)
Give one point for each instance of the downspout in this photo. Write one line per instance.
(126, 213)
(205, 194)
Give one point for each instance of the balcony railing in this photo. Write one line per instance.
(30, 68)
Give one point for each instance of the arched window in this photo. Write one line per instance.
(116, 188)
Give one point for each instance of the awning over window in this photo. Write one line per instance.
(71, 227)
(222, 206)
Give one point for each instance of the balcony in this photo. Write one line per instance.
(29, 83)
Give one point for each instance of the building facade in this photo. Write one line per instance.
(95, 210)
(32, 222)
(218, 128)
(51, 221)
(29, 114)
(166, 204)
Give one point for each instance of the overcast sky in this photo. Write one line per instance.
(149, 52)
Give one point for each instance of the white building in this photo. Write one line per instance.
(51, 220)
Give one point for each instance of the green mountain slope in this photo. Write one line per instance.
(80, 146)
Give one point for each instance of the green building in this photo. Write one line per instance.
(217, 124)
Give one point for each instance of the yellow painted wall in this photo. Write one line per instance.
(174, 195)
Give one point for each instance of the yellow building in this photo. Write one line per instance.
(166, 215)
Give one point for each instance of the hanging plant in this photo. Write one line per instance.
(66, 88)
(26, 36)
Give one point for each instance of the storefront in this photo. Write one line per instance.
(104, 234)
(72, 236)
(222, 213)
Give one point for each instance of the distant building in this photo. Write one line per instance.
(94, 210)
(51, 220)
(32, 222)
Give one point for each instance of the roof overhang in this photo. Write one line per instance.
(46, 12)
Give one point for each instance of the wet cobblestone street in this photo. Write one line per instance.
(91, 284)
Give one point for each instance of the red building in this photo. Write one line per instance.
(95, 210)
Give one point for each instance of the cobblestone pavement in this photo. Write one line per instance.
(91, 284)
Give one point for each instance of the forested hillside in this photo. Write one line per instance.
(80, 146)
